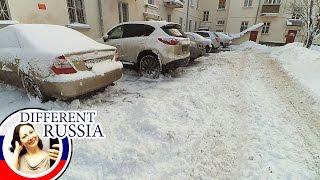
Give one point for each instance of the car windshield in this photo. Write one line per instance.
(173, 30)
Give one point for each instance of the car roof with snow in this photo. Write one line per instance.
(151, 23)
(53, 38)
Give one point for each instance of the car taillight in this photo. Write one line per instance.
(117, 55)
(169, 41)
(62, 66)
(218, 39)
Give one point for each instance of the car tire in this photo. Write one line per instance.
(208, 49)
(32, 88)
(149, 66)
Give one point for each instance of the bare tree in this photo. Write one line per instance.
(308, 10)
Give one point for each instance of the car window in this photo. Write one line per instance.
(137, 30)
(8, 39)
(173, 30)
(203, 34)
(116, 33)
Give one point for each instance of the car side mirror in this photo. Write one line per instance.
(105, 38)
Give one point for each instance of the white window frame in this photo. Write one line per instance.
(266, 27)
(205, 16)
(82, 20)
(247, 3)
(4, 11)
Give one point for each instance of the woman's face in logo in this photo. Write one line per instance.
(28, 136)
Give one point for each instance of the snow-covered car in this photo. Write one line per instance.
(212, 36)
(151, 46)
(225, 40)
(196, 50)
(207, 43)
(55, 61)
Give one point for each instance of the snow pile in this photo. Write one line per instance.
(301, 63)
(250, 45)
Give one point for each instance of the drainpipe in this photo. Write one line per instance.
(255, 20)
(100, 18)
(187, 23)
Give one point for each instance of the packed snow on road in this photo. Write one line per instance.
(249, 113)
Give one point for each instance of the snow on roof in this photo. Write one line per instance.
(54, 38)
(252, 28)
(174, 2)
(151, 23)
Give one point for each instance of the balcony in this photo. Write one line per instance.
(173, 3)
(151, 12)
(270, 9)
(295, 22)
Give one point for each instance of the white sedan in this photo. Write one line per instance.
(55, 61)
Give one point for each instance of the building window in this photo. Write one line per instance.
(219, 30)
(195, 25)
(180, 21)
(222, 4)
(151, 2)
(220, 23)
(205, 15)
(244, 25)
(169, 18)
(76, 11)
(247, 3)
(4, 11)
(272, 1)
(190, 25)
(123, 12)
(265, 28)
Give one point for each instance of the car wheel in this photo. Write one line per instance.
(32, 88)
(208, 49)
(150, 66)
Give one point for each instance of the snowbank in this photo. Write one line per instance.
(301, 63)
(250, 45)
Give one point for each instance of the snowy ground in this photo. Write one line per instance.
(241, 114)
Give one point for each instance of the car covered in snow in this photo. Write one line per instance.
(212, 36)
(151, 46)
(225, 40)
(55, 61)
(201, 41)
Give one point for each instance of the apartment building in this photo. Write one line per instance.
(95, 17)
(281, 25)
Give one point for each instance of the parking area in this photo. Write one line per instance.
(227, 115)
